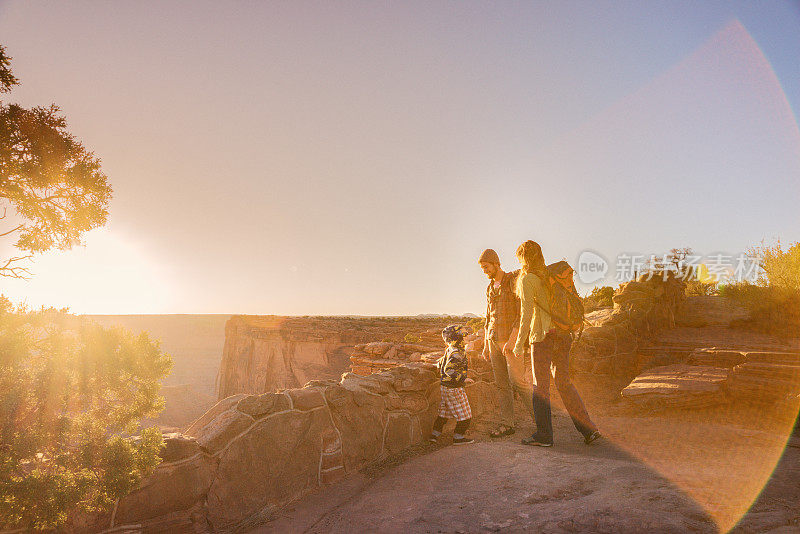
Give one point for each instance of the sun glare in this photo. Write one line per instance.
(111, 274)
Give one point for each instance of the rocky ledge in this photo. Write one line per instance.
(251, 454)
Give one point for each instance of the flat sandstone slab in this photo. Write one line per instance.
(678, 385)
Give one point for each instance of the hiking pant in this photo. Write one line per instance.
(509, 376)
(553, 351)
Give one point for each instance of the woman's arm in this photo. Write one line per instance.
(526, 313)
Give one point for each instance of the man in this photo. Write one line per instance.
(502, 324)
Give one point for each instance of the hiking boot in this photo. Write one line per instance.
(462, 441)
(535, 441)
(592, 437)
(502, 431)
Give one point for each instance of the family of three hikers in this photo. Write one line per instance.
(536, 307)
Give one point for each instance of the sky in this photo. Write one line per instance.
(325, 158)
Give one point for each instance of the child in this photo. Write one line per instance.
(452, 374)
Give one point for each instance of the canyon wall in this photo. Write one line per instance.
(269, 353)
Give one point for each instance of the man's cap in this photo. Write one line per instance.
(489, 256)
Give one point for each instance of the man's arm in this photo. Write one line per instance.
(508, 348)
(485, 352)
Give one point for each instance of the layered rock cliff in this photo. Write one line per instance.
(268, 353)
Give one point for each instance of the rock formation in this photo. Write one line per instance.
(268, 353)
(766, 378)
(369, 358)
(252, 453)
(714, 376)
(678, 386)
(641, 308)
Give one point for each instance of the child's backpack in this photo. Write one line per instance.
(566, 306)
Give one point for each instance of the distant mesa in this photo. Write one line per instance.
(437, 315)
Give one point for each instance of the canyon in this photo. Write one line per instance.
(337, 452)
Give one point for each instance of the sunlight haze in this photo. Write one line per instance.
(355, 158)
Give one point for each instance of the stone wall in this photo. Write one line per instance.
(642, 307)
(251, 454)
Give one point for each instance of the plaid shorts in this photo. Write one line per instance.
(454, 404)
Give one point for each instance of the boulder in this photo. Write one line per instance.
(306, 399)
(789, 358)
(599, 317)
(716, 357)
(407, 379)
(278, 459)
(378, 348)
(764, 382)
(415, 347)
(214, 436)
(413, 403)
(397, 436)
(258, 406)
(359, 418)
(178, 447)
(223, 405)
(170, 489)
(483, 400)
(367, 384)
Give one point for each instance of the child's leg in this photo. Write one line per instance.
(461, 428)
(438, 425)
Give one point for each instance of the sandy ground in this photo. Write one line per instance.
(679, 471)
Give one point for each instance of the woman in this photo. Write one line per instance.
(549, 345)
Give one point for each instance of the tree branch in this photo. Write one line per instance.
(11, 271)
(12, 230)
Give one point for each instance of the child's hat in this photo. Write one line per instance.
(455, 332)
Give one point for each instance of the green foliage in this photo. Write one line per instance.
(697, 288)
(71, 395)
(779, 268)
(773, 309)
(476, 324)
(774, 300)
(7, 79)
(411, 338)
(600, 297)
(54, 186)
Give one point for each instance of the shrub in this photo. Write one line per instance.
(600, 297)
(71, 396)
(697, 288)
(476, 324)
(411, 338)
(773, 310)
(779, 268)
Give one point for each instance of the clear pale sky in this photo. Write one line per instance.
(356, 157)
